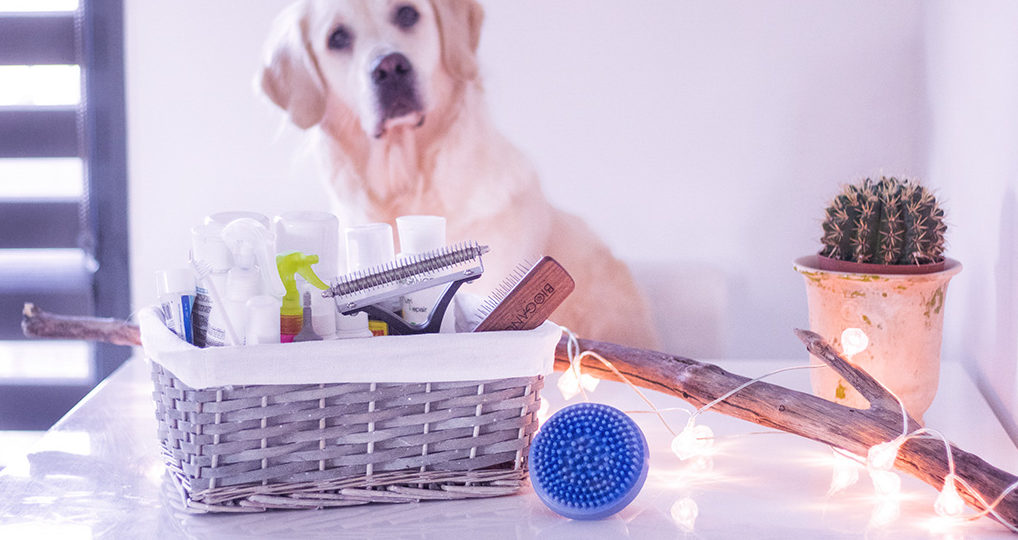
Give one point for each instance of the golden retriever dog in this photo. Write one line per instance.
(394, 90)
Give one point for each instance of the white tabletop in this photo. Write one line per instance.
(98, 474)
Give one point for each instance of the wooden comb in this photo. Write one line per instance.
(526, 298)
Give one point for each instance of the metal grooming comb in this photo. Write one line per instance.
(526, 298)
(366, 289)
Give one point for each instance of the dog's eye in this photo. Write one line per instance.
(340, 39)
(405, 16)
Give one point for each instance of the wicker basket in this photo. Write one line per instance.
(316, 444)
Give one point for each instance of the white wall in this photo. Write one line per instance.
(973, 75)
(701, 139)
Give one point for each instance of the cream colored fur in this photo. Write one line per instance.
(455, 164)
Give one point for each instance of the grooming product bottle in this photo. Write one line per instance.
(291, 312)
(420, 234)
(323, 315)
(368, 246)
(318, 233)
(310, 232)
(254, 271)
(176, 291)
(209, 250)
(307, 331)
(262, 320)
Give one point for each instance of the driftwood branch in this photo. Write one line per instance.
(806, 415)
(36, 323)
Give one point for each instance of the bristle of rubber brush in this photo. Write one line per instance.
(588, 461)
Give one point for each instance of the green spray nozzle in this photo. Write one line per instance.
(291, 264)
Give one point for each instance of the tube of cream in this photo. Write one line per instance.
(176, 290)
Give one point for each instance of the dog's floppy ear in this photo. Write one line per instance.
(459, 25)
(290, 76)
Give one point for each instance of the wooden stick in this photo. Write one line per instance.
(36, 323)
(806, 415)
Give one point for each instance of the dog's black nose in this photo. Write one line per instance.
(392, 66)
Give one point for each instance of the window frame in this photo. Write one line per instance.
(100, 121)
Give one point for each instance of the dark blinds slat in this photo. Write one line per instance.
(38, 132)
(37, 38)
(29, 224)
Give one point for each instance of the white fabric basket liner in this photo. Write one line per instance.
(388, 359)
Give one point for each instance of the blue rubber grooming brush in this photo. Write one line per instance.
(588, 461)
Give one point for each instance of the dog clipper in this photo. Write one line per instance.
(367, 289)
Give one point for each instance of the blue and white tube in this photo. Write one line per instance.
(176, 290)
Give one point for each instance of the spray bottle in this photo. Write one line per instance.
(253, 273)
(291, 314)
(318, 233)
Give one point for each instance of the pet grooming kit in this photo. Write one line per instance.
(314, 424)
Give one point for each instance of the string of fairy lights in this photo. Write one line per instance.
(697, 440)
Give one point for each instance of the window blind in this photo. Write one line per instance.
(63, 237)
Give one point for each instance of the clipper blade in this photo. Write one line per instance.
(373, 285)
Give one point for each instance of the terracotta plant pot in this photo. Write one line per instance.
(901, 314)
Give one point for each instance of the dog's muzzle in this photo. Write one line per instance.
(395, 90)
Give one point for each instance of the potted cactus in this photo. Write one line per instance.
(880, 280)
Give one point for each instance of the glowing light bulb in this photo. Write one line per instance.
(854, 341)
(887, 484)
(542, 412)
(568, 384)
(846, 473)
(881, 457)
(949, 503)
(685, 511)
(694, 440)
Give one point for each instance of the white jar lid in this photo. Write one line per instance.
(175, 281)
(224, 218)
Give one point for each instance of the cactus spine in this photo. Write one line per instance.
(889, 221)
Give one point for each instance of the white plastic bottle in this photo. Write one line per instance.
(209, 250)
(262, 320)
(311, 233)
(368, 246)
(323, 314)
(417, 235)
(253, 274)
(176, 291)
